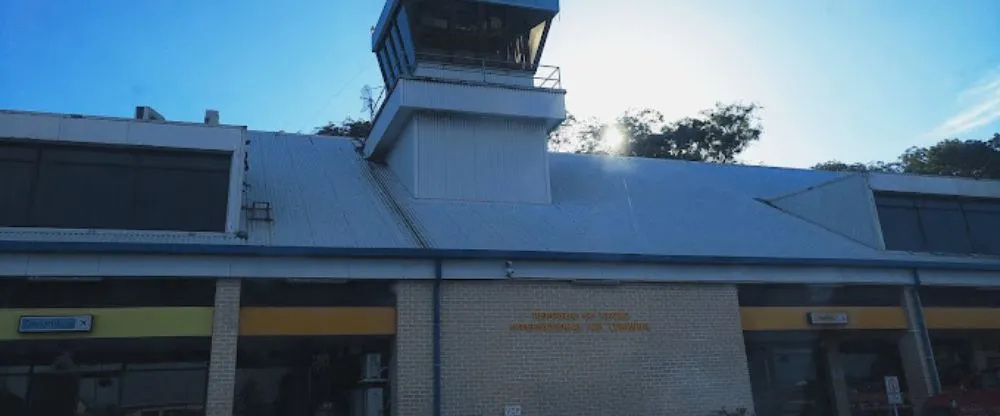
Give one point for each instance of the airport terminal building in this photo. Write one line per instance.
(449, 265)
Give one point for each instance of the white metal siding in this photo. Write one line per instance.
(402, 158)
(939, 185)
(473, 158)
(842, 206)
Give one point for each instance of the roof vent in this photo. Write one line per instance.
(212, 117)
(148, 113)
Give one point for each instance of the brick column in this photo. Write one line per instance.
(921, 376)
(411, 367)
(225, 333)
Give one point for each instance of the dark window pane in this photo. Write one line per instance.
(900, 228)
(817, 295)
(895, 200)
(981, 206)
(87, 156)
(83, 196)
(944, 231)
(59, 185)
(400, 49)
(20, 293)
(18, 152)
(984, 230)
(939, 203)
(942, 296)
(15, 192)
(164, 389)
(217, 162)
(170, 199)
(267, 292)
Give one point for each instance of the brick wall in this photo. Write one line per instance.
(691, 361)
(222, 363)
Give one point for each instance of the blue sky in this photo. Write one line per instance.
(856, 80)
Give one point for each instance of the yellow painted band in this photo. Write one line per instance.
(795, 318)
(962, 318)
(317, 321)
(117, 322)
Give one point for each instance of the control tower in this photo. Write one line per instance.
(468, 108)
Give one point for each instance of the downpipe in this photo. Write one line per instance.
(928, 350)
(436, 336)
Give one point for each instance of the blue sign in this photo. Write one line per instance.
(44, 324)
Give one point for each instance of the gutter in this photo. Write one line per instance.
(242, 250)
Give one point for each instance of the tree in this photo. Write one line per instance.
(839, 166)
(717, 135)
(348, 128)
(950, 157)
(577, 136)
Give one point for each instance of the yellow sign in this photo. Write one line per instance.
(544, 321)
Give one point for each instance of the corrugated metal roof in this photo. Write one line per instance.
(324, 195)
(640, 206)
(319, 193)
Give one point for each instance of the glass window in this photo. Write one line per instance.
(400, 50)
(14, 390)
(95, 377)
(386, 65)
(112, 187)
(266, 292)
(788, 375)
(23, 293)
(403, 26)
(17, 173)
(944, 230)
(383, 67)
(951, 296)
(394, 54)
(983, 226)
(474, 34)
(817, 295)
(164, 389)
(901, 228)
(83, 196)
(98, 394)
(203, 207)
(939, 224)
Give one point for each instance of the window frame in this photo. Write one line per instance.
(924, 204)
(131, 166)
(230, 226)
(118, 131)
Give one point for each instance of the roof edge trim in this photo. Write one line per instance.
(36, 247)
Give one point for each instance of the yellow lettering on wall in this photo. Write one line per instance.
(560, 321)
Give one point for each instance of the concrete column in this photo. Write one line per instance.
(222, 364)
(918, 365)
(838, 385)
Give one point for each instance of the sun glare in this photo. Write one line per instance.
(613, 139)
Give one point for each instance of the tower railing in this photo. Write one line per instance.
(487, 71)
(453, 68)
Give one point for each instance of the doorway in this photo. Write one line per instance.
(309, 376)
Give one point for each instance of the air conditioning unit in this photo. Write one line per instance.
(212, 117)
(147, 113)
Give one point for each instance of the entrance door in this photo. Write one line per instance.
(799, 377)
